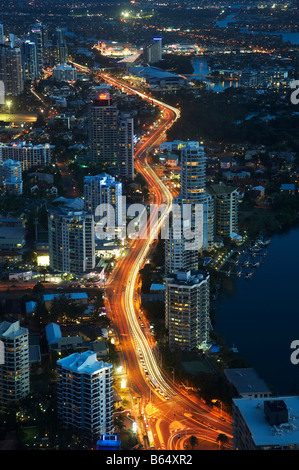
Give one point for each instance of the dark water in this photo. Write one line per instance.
(287, 36)
(260, 316)
(201, 68)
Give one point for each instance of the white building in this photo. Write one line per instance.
(10, 169)
(85, 394)
(65, 72)
(187, 310)
(27, 154)
(266, 424)
(193, 195)
(104, 189)
(11, 69)
(14, 373)
(178, 145)
(71, 240)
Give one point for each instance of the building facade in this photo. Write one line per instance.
(65, 73)
(193, 197)
(29, 60)
(225, 209)
(104, 189)
(85, 394)
(11, 69)
(126, 147)
(71, 240)
(266, 424)
(14, 373)
(187, 310)
(103, 131)
(27, 154)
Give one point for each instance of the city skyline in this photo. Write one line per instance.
(149, 182)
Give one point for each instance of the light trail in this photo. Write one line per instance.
(127, 276)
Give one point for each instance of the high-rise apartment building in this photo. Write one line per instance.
(10, 169)
(187, 310)
(225, 209)
(36, 36)
(11, 69)
(27, 154)
(60, 45)
(178, 255)
(14, 372)
(104, 189)
(1, 34)
(126, 147)
(192, 197)
(153, 52)
(85, 394)
(103, 131)
(11, 177)
(71, 240)
(193, 190)
(29, 60)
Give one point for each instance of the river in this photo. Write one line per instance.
(260, 316)
(201, 69)
(287, 36)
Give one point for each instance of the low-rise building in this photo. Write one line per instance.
(266, 424)
(247, 383)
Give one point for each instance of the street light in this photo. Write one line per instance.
(9, 105)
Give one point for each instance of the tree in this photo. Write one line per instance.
(119, 422)
(38, 288)
(193, 441)
(222, 439)
(40, 313)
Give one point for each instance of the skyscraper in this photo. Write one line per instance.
(11, 69)
(225, 209)
(103, 131)
(29, 60)
(1, 34)
(36, 36)
(14, 373)
(193, 196)
(71, 240)
(104, 189)
(61, 47)
(153, 52)
(126, 147)
(85, 394)
(187, 305)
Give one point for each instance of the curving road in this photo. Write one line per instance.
(146, 377)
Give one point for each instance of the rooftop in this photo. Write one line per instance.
(246, 380)
(187, 278)
(85, 363)
(263, 433)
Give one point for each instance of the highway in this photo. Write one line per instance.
(163, 403)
